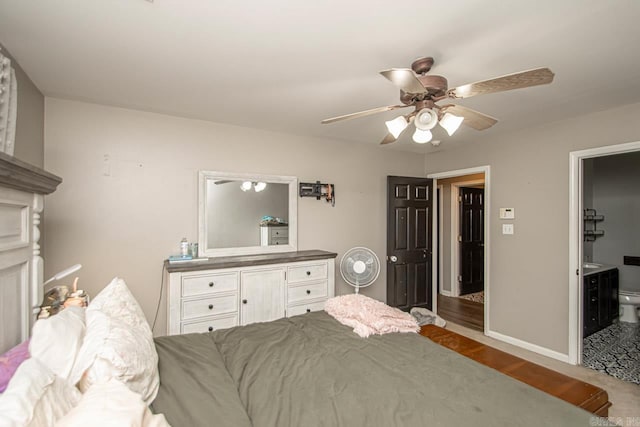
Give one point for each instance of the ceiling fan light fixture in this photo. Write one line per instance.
(426, 119)
(259, 186)
(246, 186)
(451, 123)
(396, 126)
(422, 136)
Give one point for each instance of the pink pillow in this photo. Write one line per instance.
(10, 361)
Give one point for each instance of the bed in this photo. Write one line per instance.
(311, 370)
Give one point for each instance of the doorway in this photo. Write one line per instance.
(582, 322)
(409, 242)
(610, 205)
(460, 236)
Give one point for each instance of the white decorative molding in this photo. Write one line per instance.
(8, 105)
(22, 190)
(37, 263)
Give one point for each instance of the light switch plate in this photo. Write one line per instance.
(507, 213)
(507, 228)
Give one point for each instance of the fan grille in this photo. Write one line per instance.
(359, 267)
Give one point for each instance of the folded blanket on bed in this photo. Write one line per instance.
(368, 316)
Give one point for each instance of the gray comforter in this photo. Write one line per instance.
(310, 370)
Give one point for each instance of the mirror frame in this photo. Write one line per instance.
(204, 251)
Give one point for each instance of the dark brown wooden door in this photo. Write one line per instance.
(409, 216)
(471, 240)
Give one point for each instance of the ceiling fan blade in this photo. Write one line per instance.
(405, 79)
(388, 139)
(472, 118)
(539, 76)
(363, 113)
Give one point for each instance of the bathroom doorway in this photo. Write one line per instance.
(605, 207)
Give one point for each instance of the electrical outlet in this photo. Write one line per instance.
(507, 228)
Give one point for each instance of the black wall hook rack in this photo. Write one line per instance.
(319, 191)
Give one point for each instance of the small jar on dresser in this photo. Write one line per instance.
(237, 290)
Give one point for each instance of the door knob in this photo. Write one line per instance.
(393, 258)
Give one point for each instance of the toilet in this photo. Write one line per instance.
(629, 303)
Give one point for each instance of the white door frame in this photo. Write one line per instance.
(455, 230)
(487, 244)
(575, 238)
(440, 241)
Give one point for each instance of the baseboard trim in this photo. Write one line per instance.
(445, 293)
(529, 346)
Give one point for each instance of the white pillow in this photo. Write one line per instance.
(111, 404)
(56, 340)
(36, 397)
(118, 344)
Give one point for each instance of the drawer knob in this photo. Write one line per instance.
(244, 301)
(211, 284)
(210, 328)
(308, 273)
(308, 310)
(308, 292)
(210, 306)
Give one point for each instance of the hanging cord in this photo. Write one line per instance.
(153, 327)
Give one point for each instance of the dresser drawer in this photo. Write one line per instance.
(305, 308)
(279, 241)
(209, 306)
(279, 232)
(209, 325)
(307, 292)
(210, 283)
(305, 273)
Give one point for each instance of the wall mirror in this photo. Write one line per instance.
(241, 214)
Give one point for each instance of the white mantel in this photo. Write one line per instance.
(22, 190)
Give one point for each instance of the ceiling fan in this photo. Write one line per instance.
(422, 91)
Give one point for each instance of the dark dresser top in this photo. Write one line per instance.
(248, 260)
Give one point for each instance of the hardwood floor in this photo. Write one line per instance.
(587, 396)
(461, 311)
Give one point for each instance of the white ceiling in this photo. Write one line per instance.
(284, 65)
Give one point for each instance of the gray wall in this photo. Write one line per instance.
(30, 119)
(616, 195)
(530, 172)
(124, 213)
(587, 202)
(234, 215)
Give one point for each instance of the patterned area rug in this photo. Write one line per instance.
(475, 297)
(615, 351)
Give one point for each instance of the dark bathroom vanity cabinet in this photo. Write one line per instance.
(600, 307)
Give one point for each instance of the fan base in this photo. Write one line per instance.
(422, 65)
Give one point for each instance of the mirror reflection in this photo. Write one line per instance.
(242, 213)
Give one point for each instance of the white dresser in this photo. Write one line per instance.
(230, 291)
